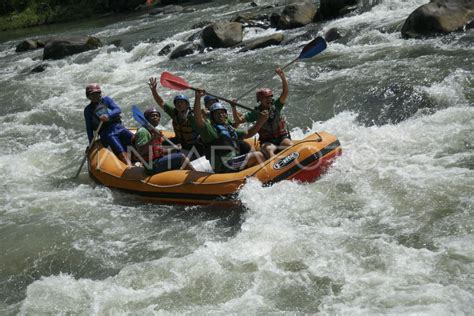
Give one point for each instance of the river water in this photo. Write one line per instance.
(387, 231)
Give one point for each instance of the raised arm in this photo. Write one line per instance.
(263, 117)
(284, 85)
(197, 108)
(238, 117)
(152, 84)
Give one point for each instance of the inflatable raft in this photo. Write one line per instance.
(305, 161)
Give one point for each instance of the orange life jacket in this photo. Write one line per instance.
(274, 127)
(153, 148)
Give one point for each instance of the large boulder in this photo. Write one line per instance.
(60, 48)
(261, 42)
(331, 9)
(296, 15)
(439, 17)
(222, 34)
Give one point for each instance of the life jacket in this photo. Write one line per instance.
(184, 131)
(274, 127)
(100, 110)
(227, 138)
(155, 145)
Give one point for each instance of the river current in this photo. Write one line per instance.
(387, 231)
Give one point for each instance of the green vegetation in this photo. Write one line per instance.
(25, 13)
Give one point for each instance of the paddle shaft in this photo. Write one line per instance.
(96, 137)
(227, 100)
(166, 138)
(311, 49)
(266, 80)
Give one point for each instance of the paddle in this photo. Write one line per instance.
(140, 118)
(174, 82)
(94, 139)
(311, 49)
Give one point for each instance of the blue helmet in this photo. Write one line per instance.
(217, 106)
(208, 98)
(181, 97)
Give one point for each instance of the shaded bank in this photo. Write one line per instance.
(16, 14)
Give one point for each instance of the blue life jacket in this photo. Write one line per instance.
(227, 136)
(100, 110)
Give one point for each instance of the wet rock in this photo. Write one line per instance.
(194, 37)
(296, 15)
(438, 17)
(116, 42)
(332, 35)
(261, 42)
(274, 18)
(39, 68)
(60, 48)
(331, 9)
(166, 50)
(186, 49)
(222, 34)
(246, 17)
(27, 45)
(251, 19)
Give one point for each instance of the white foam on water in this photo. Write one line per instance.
(387, 230)
(333, 246)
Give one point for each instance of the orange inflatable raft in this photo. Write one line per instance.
(305, 161)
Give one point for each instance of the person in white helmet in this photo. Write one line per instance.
(221, 139)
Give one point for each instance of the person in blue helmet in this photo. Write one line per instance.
(149, 144)
(209, 100)
(221, 139)
(184, 124)
(112, 133)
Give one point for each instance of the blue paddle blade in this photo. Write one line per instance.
(313, 48)
(138, 116)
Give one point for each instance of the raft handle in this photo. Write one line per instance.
(320, 138)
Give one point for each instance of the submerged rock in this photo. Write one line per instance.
(39, 68)
(391, 104)
(186, 49)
